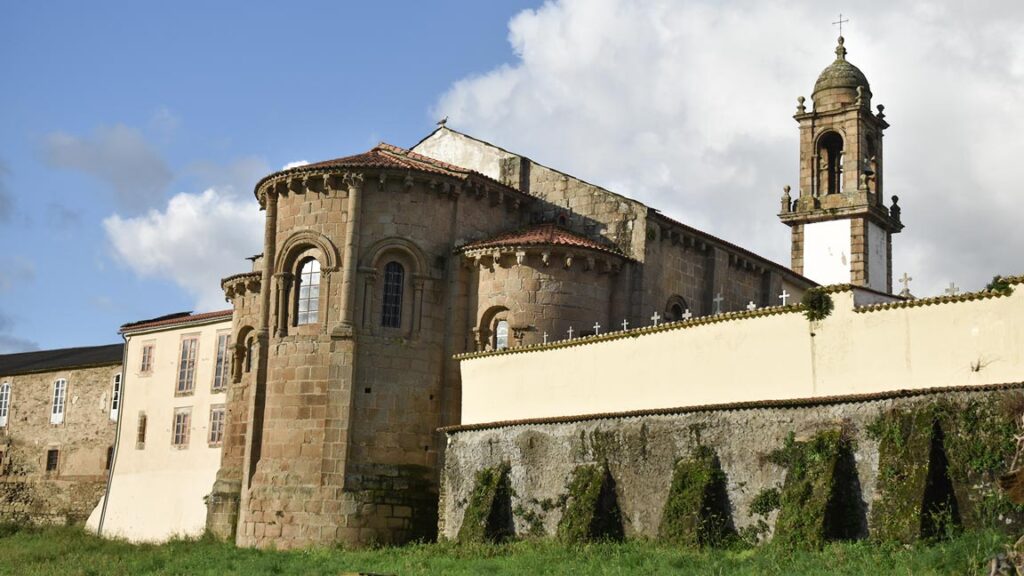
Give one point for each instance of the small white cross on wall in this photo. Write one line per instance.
(718, 303)
(597, 328)
(570, 332)
(656, 318)
(545, 337)
(625, 325)
(953, 290)
(784, 297)
(751, 306)
(687, 315)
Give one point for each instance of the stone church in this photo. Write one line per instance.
(379, 268)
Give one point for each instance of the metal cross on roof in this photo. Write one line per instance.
(840, 22)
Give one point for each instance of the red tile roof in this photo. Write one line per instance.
(173, 319)
(544, 234)
(388, 156)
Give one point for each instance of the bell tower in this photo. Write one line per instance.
(841, 229)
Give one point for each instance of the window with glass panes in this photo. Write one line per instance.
(308, 301)
(220, 375)
(216, 425)
(187, 365)
(60, 393)
(5, 403)
(394, 282)
(115, 397)
(147, 359)
(180, 428)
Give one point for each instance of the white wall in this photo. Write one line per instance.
(157, 491)
(782, 356)
(878, 258)
(827, 252)
(454, 148)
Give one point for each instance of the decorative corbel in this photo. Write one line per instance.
(382, 181)
(520, 257)
(568, 260)
(353, 179)
(589, 264)
(545, 257)
(407, 183)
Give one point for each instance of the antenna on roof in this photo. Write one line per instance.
(442, 121)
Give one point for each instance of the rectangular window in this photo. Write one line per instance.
(52, 459)
(182, 424)
(216, 425)
(110, 457)
(5, 403)
(223, 367)
(187, 365)
(147, 359)
(60, 394)
(115, 397)
(140, 432)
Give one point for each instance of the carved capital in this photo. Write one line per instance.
(354, 180)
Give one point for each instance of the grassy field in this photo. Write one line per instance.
(71, 551)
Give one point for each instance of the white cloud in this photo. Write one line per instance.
(117, 155)
(196, 240)
(687, 105)
(295, 164)
(13, 344)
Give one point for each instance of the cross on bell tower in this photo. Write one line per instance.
(841, 229)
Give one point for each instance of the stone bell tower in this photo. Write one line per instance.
(841, 228)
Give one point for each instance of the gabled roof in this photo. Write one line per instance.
(49, 360)
(388, 156)
(175, 319)
(543, 234)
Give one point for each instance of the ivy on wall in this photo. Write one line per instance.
(591, 509)
(488, 516)
(697, 511)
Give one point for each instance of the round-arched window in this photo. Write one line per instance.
(308, 301)
(394, 286)
(501, 335)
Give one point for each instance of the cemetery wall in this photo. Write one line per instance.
(749, 446)
(764, 354)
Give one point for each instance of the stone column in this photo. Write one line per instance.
(355, 188)
(284, 286)
(417, 304)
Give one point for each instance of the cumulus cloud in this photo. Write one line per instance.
(687, 105)
(295, 164)
(118, 156)
(194, 241)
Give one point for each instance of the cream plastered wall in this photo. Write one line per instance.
(952, 342)
(827, 251)
(458, 149)
(157, 489)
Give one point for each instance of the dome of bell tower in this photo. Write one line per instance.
(840, 80)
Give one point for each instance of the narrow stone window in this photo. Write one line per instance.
(52, 459)
(223, 368)
(110, 458)
(140, 432)
(115, 397)
(216, 425)
(250, 348)
(181, 428)
(501, 335)
(5, 403)
(146, 366)
(60, 393)
(187, 366)
(308, 301)
(394, 283)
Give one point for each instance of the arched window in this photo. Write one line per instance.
(830, 163)
(308, 301)
(394, 283)
(675, 308)
(501, 335)
(250, 348)
(5, 403)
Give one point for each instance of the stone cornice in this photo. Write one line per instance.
(239, 284)
(877, 214)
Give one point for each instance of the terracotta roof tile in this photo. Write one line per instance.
(172, 319)
(543, 234)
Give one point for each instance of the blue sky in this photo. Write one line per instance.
(131, 133)
(206, 87)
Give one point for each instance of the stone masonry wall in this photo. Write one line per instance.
(68, 494)
(642, 450)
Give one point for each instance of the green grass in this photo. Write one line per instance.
(71, 551)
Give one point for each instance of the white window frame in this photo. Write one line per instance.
(58, 401)
(5, 403)
(146, 362)
(181, 430)
(115, 397)
(501, 335)
(187, 360)
(217, 425)
(222, 367)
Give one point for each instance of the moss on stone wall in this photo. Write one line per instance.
(697, 511)
(591, 509)
(938, 465)
(488, 516)
(816, 503)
